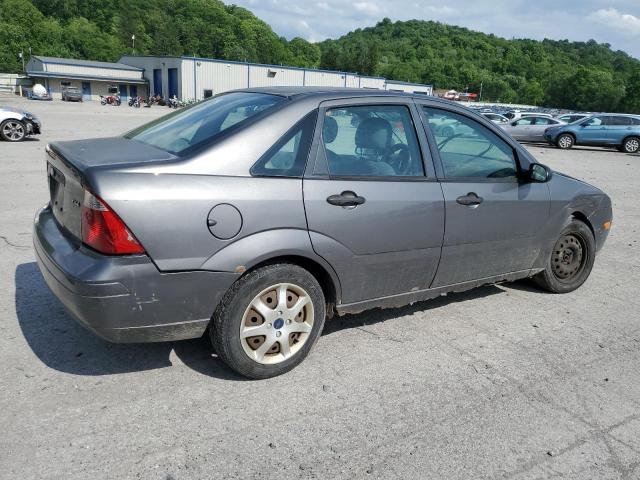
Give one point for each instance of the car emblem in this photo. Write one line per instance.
(76, 203)
(278, 323)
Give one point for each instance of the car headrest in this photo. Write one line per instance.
(373, 133)
(329, 129)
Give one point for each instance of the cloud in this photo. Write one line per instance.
(368, 8)
(611, 17)
(616, 22)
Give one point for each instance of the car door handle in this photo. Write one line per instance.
(346, 199)
(469, 200)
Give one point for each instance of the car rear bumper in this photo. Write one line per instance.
(125, 299)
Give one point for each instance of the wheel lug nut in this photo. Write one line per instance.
(268, 325)
(289, 321)
(278, 333)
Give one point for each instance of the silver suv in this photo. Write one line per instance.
(256, 214)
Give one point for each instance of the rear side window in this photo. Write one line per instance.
(618, 121)
(199, 125)
(288, 157)
(635, 121)
(468, 149)
(544, 121)
(526, 121)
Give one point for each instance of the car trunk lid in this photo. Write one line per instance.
(68, 166)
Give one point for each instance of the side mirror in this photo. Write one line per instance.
(539, 173)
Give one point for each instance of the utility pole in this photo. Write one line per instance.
(480, 97)
(21, 55)
(133, 44)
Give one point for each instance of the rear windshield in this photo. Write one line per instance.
(193, 127)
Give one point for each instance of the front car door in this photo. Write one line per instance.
(592, 131)
(492, 218)
(375, 210)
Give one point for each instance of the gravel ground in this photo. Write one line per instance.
(500, 382)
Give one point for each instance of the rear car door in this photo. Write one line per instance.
(521, 129)
(375, 210)
(539, 126)
(491, 217)
(618, 128)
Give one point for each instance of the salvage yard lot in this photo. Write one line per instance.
(499, 382)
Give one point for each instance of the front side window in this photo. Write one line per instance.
(288, 157)
(200, 124)
(371, 141)
(468, 149)
(593, 122)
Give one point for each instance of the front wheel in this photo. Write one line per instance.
(631, 145)
(268, 321)
(571, 259)
(565, 141)
(13, 130)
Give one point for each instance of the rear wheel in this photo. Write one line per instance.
(13, 130)
(268, 321)
(571, 259)
(631, 145)
(565, 141)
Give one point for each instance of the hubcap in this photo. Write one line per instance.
(632, 145)
(13, 131)
(567, 258)
(277, 323)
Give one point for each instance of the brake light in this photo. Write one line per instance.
(104, 231)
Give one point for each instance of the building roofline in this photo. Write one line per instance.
(252, 64)
(42, 74)
(85, 63)
(398, 82)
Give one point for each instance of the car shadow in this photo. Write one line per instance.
(64, 345)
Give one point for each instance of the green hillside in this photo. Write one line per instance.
(580, 75)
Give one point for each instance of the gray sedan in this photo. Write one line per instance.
(254, 216)
(530, 128)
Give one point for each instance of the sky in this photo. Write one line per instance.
(616, 22)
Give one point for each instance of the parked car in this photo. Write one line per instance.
(530, 128)
(516, 114)
(71, 94)
(197, 223)
(496, 117)
(571, 117)
(16, 125)
(602, 130)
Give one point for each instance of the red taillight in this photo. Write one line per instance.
(103, 230)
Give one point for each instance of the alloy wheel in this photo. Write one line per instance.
(632, 145)
(13, 130)
(277, 323)
(568, 255)
(565, 141)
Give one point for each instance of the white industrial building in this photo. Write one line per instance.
(93, 78)
(190, 77)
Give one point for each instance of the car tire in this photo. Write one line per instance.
(565, 141)
(631, 145)
(13, 130)
(571, 260)
(245, 309)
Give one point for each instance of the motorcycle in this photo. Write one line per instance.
(110, 100)
(135, 102)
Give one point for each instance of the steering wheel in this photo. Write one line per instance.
(399, 158)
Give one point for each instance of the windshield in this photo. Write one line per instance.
(198, 125)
